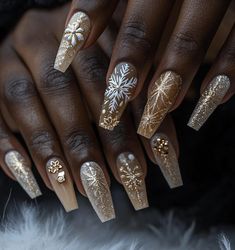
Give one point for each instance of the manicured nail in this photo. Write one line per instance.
(23, 173)
(160, 100)
(132, 178)
(62, 183)
(166, 158)
(74, 38)
(121, 87)
(209, 101)
(97, 190)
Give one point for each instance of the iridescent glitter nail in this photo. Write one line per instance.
(22, 172)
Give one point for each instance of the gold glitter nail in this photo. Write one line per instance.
(161, 98)
(74, 37)
(97, 190)
(132, 178)
(166, 158)
(209, 101)
(121, 87)
(23, 173)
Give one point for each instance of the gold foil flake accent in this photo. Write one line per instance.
(161, 98)
(97, 190)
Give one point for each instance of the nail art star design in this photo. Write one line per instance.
(73, 33)
(120, 85)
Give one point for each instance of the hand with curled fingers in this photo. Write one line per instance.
(54, 112)
(142, 27)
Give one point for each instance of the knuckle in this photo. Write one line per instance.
(134, 34)
(41, 140)
(19, 90)
(78, 141)
(185, 43)
(54, 81)
(92, 67)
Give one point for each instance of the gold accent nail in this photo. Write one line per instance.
(121, 87)
(23, 173)
(209, 101)
(97, 190)
(132, 178)
(166, 158)
(62, 183)
(74, 38)
(160, 100)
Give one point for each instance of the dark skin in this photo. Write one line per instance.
(55, 112)
(189, 37)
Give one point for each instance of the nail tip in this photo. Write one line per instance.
(193, 126)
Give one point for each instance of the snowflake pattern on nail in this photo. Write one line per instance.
(121, 87)
(132, 178)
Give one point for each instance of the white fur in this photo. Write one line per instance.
(44, 227)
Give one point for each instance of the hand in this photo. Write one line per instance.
(136, 44)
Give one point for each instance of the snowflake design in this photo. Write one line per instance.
(73, 33)
(132, 177)
(120, 85)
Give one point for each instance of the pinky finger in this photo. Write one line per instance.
(218, 86)
(15, 161)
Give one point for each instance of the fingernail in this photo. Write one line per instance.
(97, 190)
(62, 183)
(166, 158)
(132, 178)
(209, 101)
(160, 100)
(121, 87)
(74, 37)
(23, 173)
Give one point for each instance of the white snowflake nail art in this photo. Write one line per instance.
(121, 86)
(73, 39)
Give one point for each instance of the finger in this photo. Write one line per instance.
(132, 55)
(72, 125)
(86, 21)
(15, 161)
(163, 148)
(218, 86)
(185, 51)
(22, 100)
(121, 146)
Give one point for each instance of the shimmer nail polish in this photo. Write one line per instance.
(121, 87)
(166, 158)
(132, 178)
(160, 100)
(74, 37)
(62, 183)
(97, 190)
(209, 101)
(23, 173)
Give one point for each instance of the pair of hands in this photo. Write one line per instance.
(57, 115)
(54, 112)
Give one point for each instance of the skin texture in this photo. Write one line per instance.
(56, 113)
(187, 38)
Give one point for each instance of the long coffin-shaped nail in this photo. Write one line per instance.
(23, 173)
(209, 101)
(160, 100)
(121, 87)
(74, 38)
(97, 190)
(62, 183)
(166, 158)
(132, 178)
